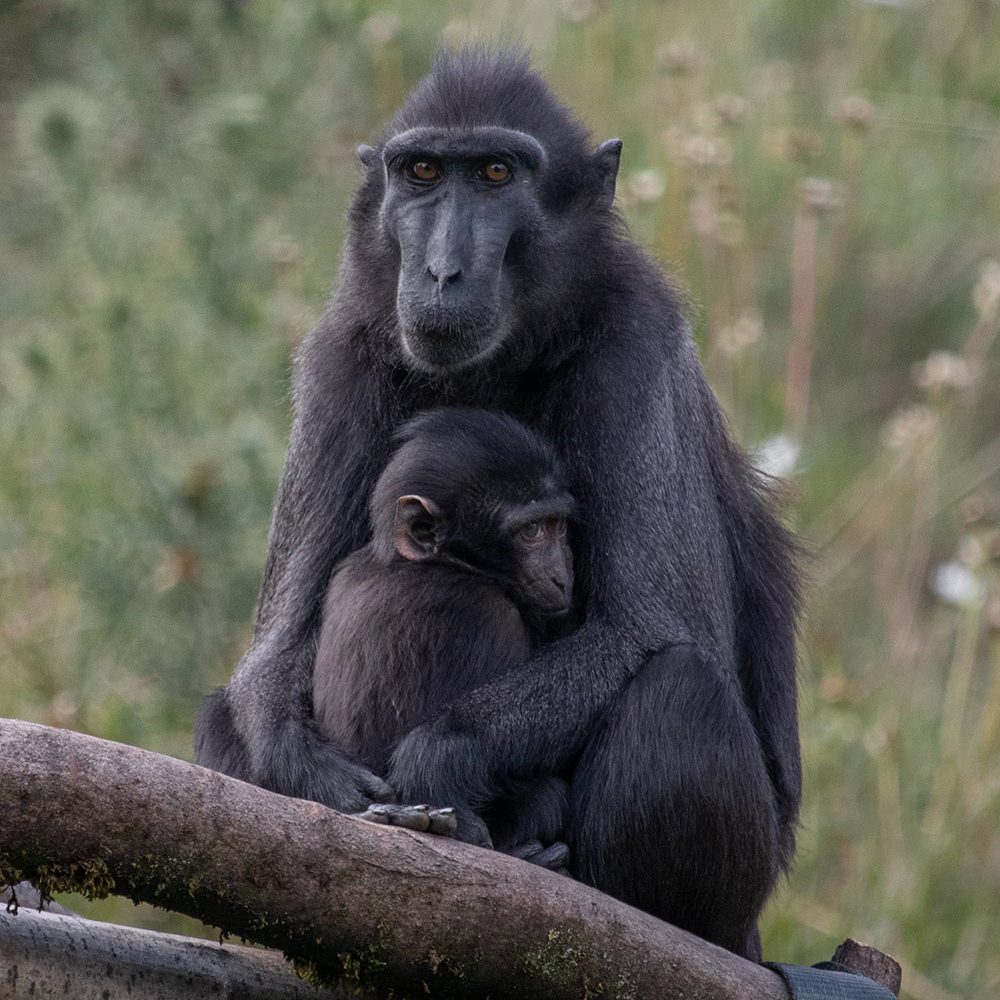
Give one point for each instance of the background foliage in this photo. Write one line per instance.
(824, 180)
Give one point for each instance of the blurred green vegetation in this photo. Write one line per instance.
(824, 180)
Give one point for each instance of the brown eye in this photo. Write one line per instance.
(531, 530)
(496, 173)
(425, 170)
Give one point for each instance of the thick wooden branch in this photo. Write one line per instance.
(382, 907)
(48, 955)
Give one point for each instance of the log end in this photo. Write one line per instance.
(871, 962)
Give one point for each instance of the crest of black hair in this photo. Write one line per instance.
(478, 85)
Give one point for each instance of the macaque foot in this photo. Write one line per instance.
(555, 857)
(420, 818)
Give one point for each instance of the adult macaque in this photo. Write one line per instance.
(485, 266)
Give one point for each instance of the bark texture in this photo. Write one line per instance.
(371, 907)
(46, 954)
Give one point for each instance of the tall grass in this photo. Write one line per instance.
(822, 178)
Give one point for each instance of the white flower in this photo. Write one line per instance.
(747, 330)
(778, 456)
(856, 111)
(943, 370)
(956, 584)
(647, 185)
(680, 57)
(822, 194)
(706, 151)
(381, 28)
(910, 429)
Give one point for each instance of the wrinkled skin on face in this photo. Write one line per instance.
(531, 560)
(464, 211)
(456, 207)
(544, 564)
(523, 548)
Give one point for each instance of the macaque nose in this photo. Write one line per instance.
(444, 273)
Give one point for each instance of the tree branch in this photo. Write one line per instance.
(381, 907)
(46, 955)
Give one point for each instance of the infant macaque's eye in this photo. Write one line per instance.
(533, 529)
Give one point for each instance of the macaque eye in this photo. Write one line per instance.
(531, 530)
(556, 526)
(496, 172)
(425, 171)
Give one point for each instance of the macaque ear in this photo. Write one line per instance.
(606, 161)
(415, 530)
(367, 154)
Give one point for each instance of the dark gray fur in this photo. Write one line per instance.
(402, 640)
(674, 704)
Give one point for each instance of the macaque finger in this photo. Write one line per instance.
(376, 814)
(410, 817)
(526, 851)
(443, 822)
(554, 856)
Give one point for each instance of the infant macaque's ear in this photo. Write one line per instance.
(416, 527)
